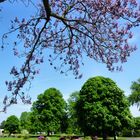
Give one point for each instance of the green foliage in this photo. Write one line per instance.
(2, 125)
(64, 123)
(136, 133)
(137, 123)
(127, 133)
(72, 125)
(25, 122)
(102, 107)
(25, 134)
(136, 130)
(12, 124)
(36, 124)
(134, 97)
(49, 110)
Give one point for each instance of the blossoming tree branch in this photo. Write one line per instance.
(71, 30)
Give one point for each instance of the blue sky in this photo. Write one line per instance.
(48, 77)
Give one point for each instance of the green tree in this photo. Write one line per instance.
(12, 124)
(102, 108)
(64, 122)
(2, 125)
(136, 131)
(134, 97)
(36, 124)
(73, 126)
(25, 120)
(137, 123)
(50, 110)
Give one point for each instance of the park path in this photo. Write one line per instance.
(133, 138)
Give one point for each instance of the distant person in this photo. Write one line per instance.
(41, 138)
(95, 138)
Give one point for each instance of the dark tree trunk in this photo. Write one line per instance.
(48, 133)
(9, 134)
(2, 1)
(104, 135)
(114, 135)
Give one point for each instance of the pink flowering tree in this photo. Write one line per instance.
(71, 30)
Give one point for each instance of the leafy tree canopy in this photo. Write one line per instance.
(102, 107)
(12, 124)
(137, 123)
(70, 29)
(25, 120)
(36, 125)
(72, 101)
(72, 121)
(2, 125)
(50, 109)
(134, 97)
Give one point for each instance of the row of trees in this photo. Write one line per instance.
(99, 108)
(48, 114)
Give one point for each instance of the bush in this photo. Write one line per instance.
(136, 133)
(25, 134)
(127, 133)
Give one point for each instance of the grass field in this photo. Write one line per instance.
(35, 138)
(49, 138)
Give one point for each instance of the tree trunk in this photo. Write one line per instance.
(48, 133)
(2, 1)
(114, 135)
(9, 134)
(104, 135)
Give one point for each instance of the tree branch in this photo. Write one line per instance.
(47, 9)
(2, 1)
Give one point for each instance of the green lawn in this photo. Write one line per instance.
(50, 138)
(14, 138)
(9, 138)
